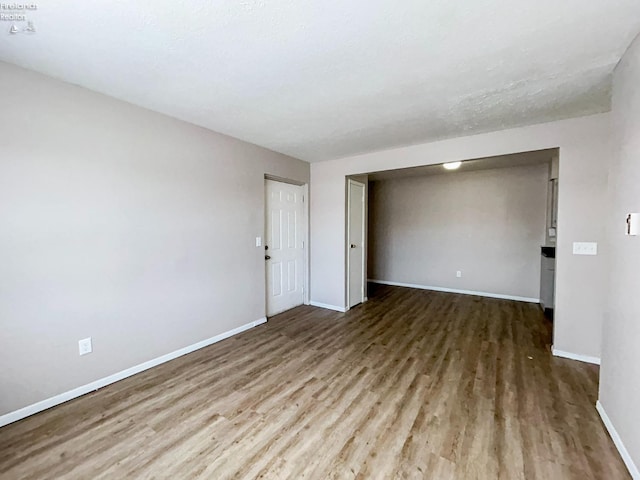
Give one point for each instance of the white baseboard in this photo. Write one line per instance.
(575, 356)
(260, 321)
(455, 290)
(626, 458)
(103, 382)
(326, 305)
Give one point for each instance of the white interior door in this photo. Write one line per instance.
(284, 242)
(355, 243)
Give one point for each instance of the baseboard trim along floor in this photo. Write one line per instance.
(327, 306)
(103, 382)
(575, 356)
(624, 453)
(455, 290)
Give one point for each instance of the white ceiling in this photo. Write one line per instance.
(325, 79)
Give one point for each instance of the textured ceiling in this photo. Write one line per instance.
(325, 79)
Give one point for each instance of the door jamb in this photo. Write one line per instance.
(306, 297)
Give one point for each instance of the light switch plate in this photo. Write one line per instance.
(258, 241)
(585, 248)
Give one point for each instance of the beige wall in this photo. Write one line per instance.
(488, 224)
(120, 224)
(620, 372)
(584, 155)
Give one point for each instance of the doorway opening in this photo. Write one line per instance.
(479, 229)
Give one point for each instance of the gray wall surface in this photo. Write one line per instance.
(121, 224)
(620, 371)
(488, 224)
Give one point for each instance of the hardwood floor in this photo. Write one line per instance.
(413, 384)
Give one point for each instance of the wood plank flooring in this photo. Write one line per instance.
(413, 384)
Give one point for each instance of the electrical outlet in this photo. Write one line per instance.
(459, 274)
(84, 346)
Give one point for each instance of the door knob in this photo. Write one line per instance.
(353, 246)
(267, 257)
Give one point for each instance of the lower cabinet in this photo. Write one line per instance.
(547, 277)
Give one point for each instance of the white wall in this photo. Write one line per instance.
(488, 224)
(620, 372)
(120, 224)
(584, 155)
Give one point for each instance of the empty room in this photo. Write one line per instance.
(477, 227)
(283, 240)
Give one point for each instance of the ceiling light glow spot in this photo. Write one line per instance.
(452, 165)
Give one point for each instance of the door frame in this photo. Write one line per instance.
(306, 296)
(350, 181)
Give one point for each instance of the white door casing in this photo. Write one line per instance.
(355, 243)
(284, 239)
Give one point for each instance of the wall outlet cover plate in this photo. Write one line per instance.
(585, 248)
(84, 346)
